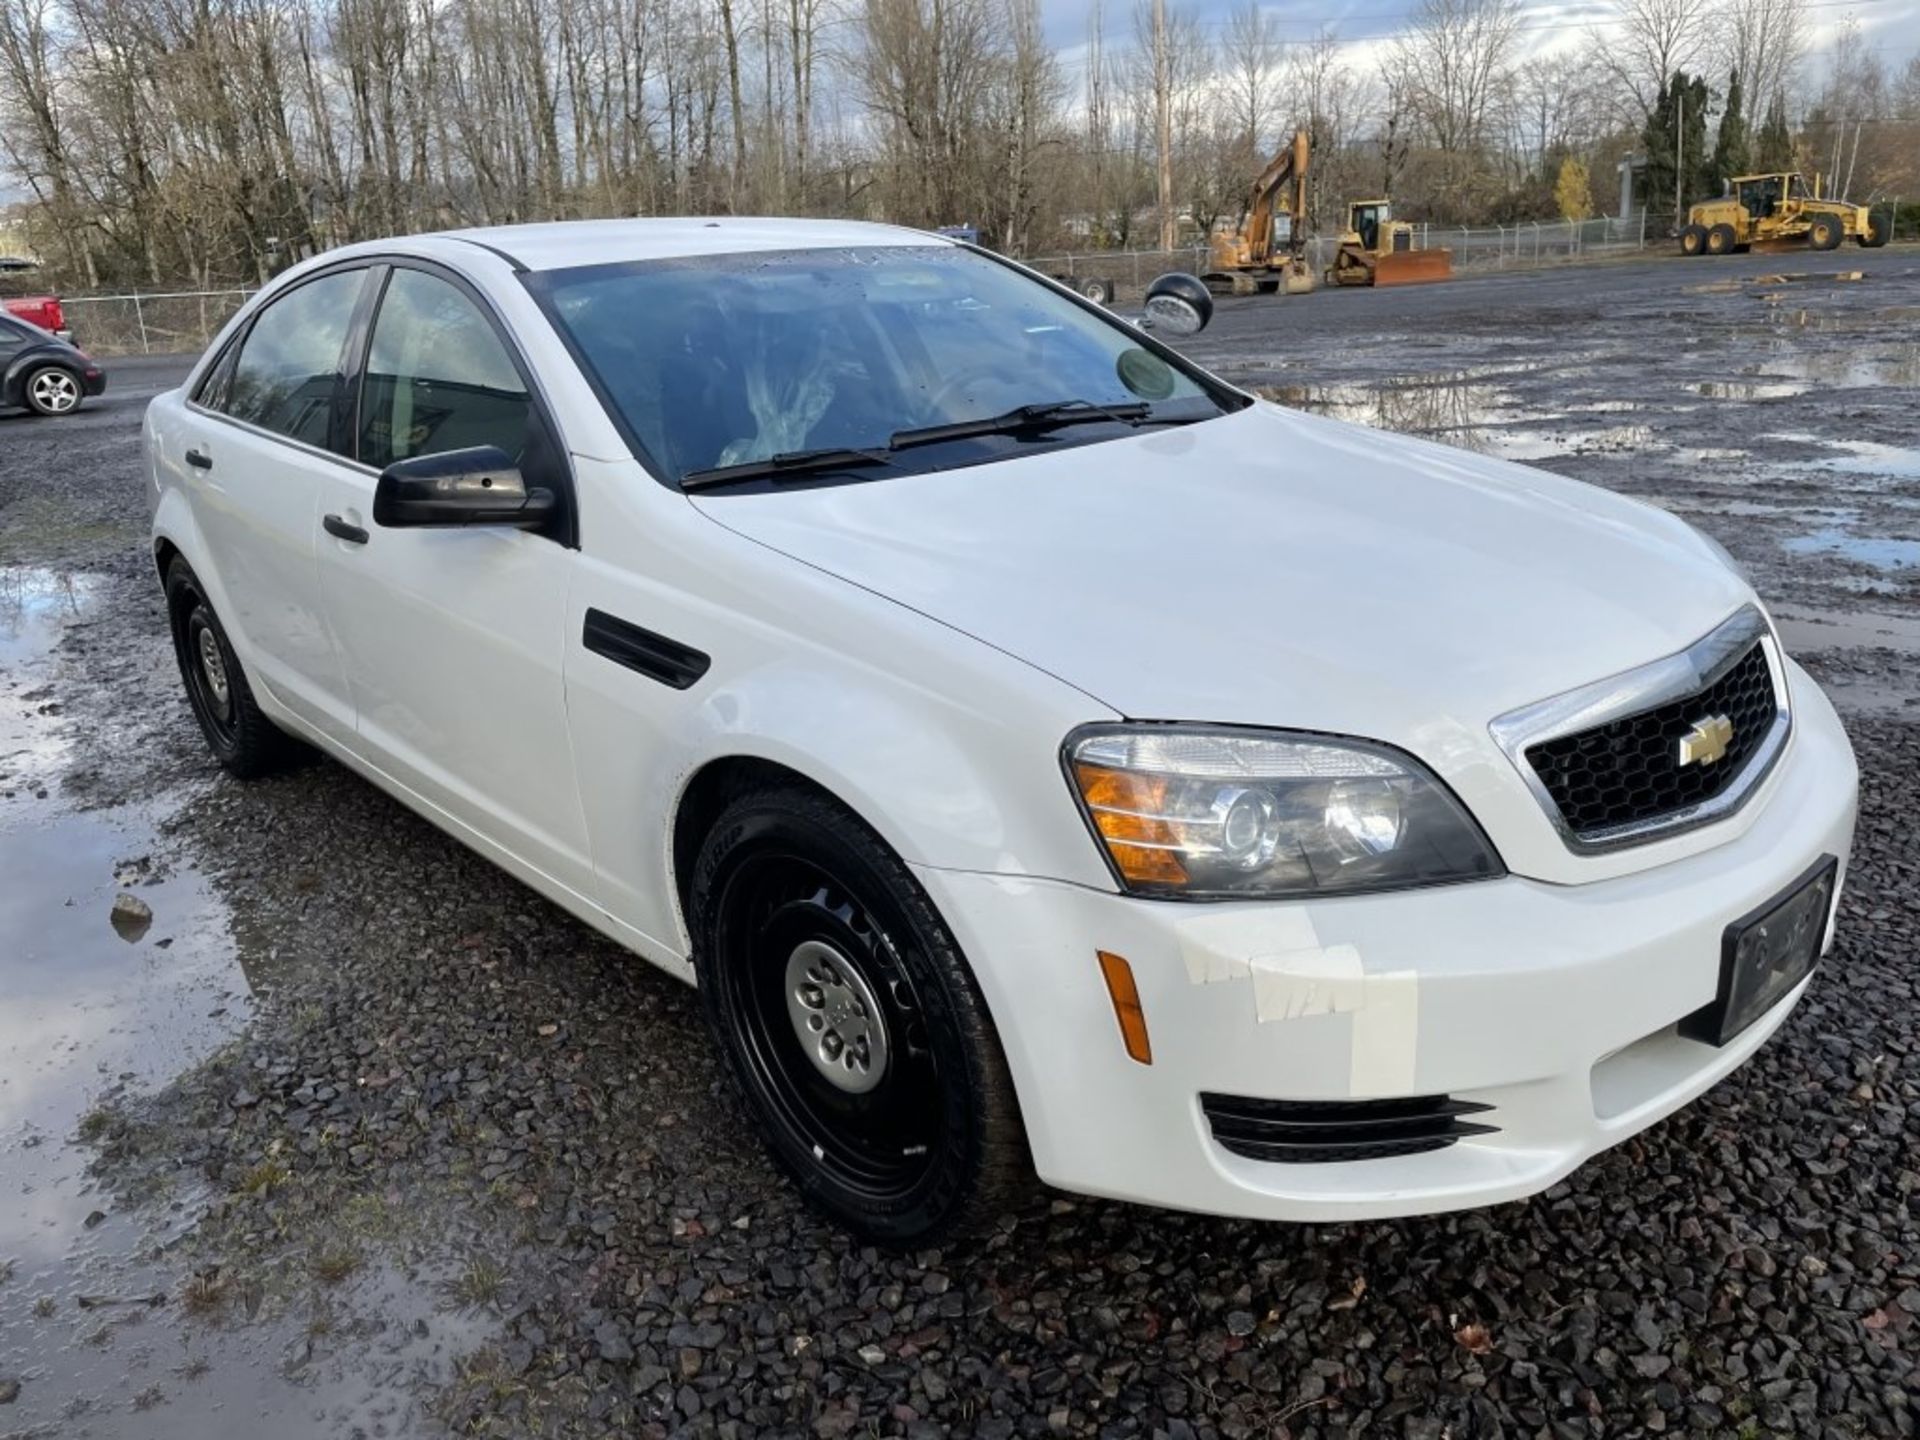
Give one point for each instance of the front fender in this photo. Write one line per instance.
(947, 748)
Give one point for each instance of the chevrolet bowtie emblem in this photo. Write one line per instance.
(1707, 741)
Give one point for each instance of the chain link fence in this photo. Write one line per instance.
(1493, 247)
(185, 321)
(181, 322)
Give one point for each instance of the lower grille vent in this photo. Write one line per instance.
(1317, 1131)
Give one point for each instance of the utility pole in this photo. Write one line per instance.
(1679, 138)
(1163, 119)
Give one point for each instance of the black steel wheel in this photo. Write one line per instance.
(850, 1023)
(238, 732)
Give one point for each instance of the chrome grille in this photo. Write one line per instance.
(1607, 761)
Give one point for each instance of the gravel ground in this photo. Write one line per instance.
(355, 1133)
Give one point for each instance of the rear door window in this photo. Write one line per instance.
(289, 364)
(438, 377)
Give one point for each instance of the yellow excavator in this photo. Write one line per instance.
(1378, 250)
(1248, 260)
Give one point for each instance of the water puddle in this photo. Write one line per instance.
(1745, 390)
(1878, 551)
(119, 969)
(1867, 457)
(1815, 630)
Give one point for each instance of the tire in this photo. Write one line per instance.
(1825, 232)
(1098, 291)
(1879, 230)
(238, 731)
(899, 1122)
(52, 390)
(1721, 240)
(1693, 240)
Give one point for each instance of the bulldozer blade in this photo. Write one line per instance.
(1413, 267)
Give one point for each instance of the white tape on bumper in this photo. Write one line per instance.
(1296, 978)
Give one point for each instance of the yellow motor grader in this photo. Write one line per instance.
(1378, 250)
(1771, 213)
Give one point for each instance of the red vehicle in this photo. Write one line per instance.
(41, 310)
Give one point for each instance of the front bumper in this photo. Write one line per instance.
(1555, 1005)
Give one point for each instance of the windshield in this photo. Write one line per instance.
(729, 361)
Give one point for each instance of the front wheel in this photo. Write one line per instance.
(851, 1024)
(52, 390)
(238, 731)
(1879, 230)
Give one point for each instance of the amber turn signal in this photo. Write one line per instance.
(1126, 1006)
(1124, 808)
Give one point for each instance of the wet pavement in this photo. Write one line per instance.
(312, 1123)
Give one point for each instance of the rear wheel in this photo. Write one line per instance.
(1097, 290)
(1693, 239)
(1825, 232)
(851, 1024)
(238, 731)
(1721, 240)
(52, 390)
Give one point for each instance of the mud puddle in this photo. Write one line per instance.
(119, 969)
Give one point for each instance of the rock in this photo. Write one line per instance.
(612, 1343)
(9, 1391)
(131, 916)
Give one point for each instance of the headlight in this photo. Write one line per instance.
(1198, 810)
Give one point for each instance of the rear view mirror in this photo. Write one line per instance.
(480, 486)
(1178, 304)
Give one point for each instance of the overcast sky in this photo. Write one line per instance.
(1891, 27)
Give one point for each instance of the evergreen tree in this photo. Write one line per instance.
(1678, 123)
(1656, 140)
(1731, 154)
(1775, 148)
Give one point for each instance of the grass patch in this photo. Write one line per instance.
(204, 1294)
(331, 1264)
(267, 1176)
(480, 1283)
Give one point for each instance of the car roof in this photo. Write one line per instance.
(563, 244)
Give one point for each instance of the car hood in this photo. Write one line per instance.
(1273, 568)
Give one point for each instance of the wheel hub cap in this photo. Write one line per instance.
(836, 1017)
(214, 668)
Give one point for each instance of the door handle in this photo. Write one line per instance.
(199, 459)
(340, 529)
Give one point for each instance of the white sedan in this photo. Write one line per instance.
(1044, 756)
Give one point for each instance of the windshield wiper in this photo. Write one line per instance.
(791, 464)
(1020, 419)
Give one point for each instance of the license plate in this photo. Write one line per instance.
(1765, 954)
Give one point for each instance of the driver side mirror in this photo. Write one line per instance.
(1179, 304)
(478, 486)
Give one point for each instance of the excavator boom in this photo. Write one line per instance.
(1245, 260)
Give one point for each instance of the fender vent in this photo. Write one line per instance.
(1317, 1131)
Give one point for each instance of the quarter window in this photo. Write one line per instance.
(290, 361)
(438, 377)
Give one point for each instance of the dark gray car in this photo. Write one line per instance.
(42, 373)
